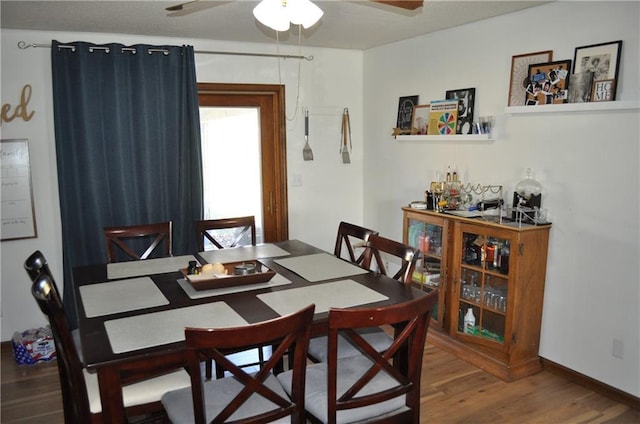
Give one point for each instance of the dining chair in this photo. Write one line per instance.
(372, 386)
(379, 247)
(126, 242)
(376, 248)
(245, 397)
(225, 233)
(352, 237)
(35, 264)
(80, 390)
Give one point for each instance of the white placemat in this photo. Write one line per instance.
(320, 266)
(158, 328)
(277, 280)
(147, 266)
(337, 294)
(244, 253)
(120, 296)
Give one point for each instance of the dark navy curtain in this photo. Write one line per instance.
(127, 131)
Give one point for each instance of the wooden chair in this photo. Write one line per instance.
(375, 247)
(370, 387)
(245, 398)
(408, 256)
(35, 264)
(347, 233)
(226, 232)
(135, 238)
(80, 391)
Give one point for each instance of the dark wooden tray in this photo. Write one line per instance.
(206, 282)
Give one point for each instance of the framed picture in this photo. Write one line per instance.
(466, 106)
(603, 90)
(18, 216)
(420, 120)
(603, 60)
(405, 112)
(548, 83)
(520, 74)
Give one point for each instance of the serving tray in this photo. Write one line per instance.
(213, 281)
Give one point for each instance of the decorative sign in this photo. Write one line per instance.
(18, 218)
(443, 117)
(405, 112)
(21, 110)
(603, 90)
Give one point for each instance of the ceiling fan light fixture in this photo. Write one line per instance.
(273, 14)
(303, 12)
(277, 14)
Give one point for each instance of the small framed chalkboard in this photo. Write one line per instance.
(18, 217)
(405, 112)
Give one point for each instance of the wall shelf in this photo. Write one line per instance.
(574, 107)
(456, 137)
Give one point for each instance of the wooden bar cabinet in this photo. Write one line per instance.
(493, 272)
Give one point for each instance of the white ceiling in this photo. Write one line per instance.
(346, 24)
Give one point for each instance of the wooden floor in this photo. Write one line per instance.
(452, 392)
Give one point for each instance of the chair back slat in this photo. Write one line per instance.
(133, 239)
(347, 233)
(377, 246)
(238, 229)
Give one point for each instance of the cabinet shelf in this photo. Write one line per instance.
(482, 306)
(574, 107)
(456, 137)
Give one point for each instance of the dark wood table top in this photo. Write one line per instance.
(95, 342)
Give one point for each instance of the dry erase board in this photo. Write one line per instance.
(18, 218)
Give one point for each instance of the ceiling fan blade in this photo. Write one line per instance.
(403, 4)
(178, 7)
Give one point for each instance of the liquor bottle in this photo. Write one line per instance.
(448, 174)
(504, 259)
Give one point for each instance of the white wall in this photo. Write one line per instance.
(587, 162)
(328, 84)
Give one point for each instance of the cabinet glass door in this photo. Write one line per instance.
(428, 238)
(484, 288)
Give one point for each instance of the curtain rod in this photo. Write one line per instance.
(22, 45)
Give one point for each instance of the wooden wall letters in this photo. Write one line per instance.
(21, 109)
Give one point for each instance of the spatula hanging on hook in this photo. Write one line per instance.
(307, 153)
(345, 143)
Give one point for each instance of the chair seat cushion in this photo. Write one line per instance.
(146, 391)
(349, 370)
(218, 394)
(375, 336)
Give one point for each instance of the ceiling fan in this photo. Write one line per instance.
(403, 4)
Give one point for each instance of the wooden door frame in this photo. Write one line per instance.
(273, 132)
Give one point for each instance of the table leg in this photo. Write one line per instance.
(111, 396)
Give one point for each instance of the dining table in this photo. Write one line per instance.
(132, 315)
